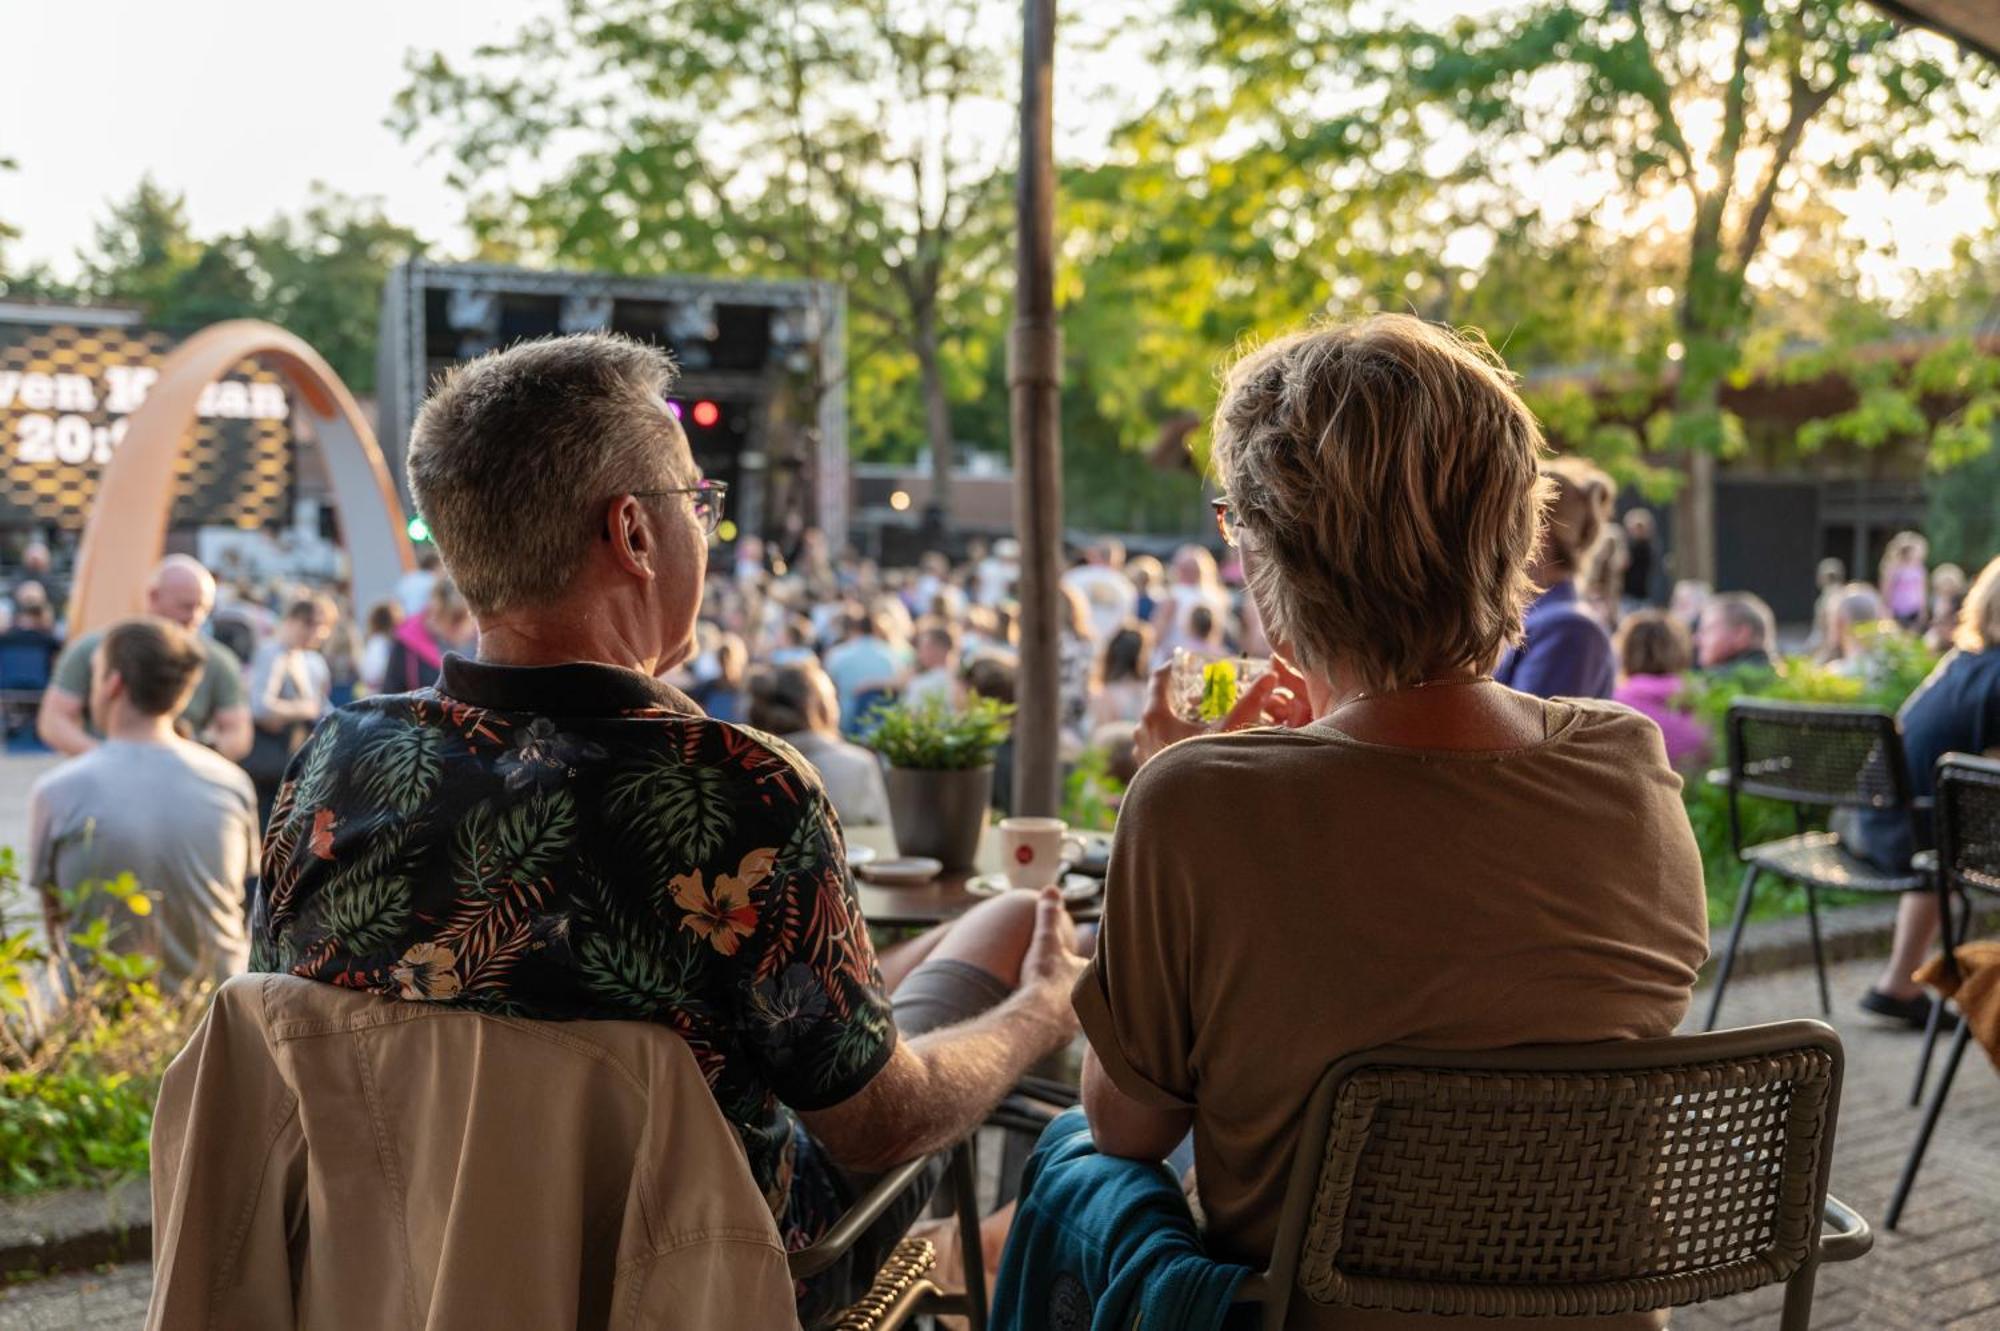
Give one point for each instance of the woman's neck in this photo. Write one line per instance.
(1452, 709)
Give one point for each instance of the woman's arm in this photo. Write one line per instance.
(1120, 1125)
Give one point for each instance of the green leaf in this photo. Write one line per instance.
(400, 768)
(637, 973)
(680, 809)
(534, 836)
(366, 914)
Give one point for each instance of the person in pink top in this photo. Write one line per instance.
(1654, 651)
(1905, 581)
(416, 652)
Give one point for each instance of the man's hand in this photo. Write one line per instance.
(937, 1087)
(1276, 698)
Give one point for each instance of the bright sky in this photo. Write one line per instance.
(242, 105)
(239, 104)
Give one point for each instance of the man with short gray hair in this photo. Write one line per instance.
(551, 832)
(1735, 632)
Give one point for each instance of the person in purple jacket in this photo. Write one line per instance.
(1567, 653)
(1654, 652)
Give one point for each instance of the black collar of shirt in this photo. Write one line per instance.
(578, 688)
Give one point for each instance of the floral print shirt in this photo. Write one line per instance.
(578, 842)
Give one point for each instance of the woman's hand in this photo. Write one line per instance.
(1276, 698)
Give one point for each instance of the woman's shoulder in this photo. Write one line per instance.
(1599, 720)
(1187, 775)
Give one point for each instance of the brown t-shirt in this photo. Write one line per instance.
(1278, 899)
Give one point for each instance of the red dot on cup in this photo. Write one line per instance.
(1024, 854)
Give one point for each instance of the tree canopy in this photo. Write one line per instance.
(1706, 130)
(1644, 205)
(318, 272)
(866, 142)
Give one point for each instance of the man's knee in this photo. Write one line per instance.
(994, 935)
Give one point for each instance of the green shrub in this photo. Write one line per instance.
(1090, 792)
(1899, 664)
(85, 1037)
(68, 1129)
(934, 737)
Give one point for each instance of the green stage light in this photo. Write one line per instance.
(419, 530)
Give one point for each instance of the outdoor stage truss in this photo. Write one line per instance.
(437, 314)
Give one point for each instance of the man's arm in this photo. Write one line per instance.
(229, 732)
(59, 722)
(937, 1088)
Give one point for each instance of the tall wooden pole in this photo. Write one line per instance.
(1034, 377)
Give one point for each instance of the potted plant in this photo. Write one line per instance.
(940, 776)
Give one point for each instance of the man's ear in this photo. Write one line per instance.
(634, 541)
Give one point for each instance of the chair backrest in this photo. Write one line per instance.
(25, 666)
(326, 1156)
(1817, 754)
(1575, 1179)
(1968, 823)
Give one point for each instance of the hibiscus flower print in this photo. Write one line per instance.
(542, 756)
(786, 1010)
(322, 834)
(723, 914)
(427, 971)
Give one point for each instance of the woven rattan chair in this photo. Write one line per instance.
(1813, 757)
(1577, 1179)
(1971, 869)
(903, 1289)
(1968, 861)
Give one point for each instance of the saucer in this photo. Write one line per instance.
(1076, 887)
(914, 871)
(860, 855)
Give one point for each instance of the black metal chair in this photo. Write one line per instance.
(1968, 860)
(1812, 756)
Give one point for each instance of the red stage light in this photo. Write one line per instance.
(706, 414)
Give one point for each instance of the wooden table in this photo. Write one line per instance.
(943, 898)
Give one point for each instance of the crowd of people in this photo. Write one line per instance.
(572, 698)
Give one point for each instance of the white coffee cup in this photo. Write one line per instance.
(1032, 850)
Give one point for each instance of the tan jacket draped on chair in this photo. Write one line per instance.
(325, 1158)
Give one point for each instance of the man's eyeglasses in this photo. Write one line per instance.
(709, 497)
(1226, 521)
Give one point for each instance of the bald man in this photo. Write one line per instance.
(217, 712)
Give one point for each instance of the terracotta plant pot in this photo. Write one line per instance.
(940, 815)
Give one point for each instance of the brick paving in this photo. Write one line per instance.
(110, 1300)
(1941, 1269)
(1941, 1272)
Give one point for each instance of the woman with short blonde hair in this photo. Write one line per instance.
(1412, 853)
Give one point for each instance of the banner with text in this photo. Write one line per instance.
(66, 391)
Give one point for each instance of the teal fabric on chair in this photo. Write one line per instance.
(1106, 1244)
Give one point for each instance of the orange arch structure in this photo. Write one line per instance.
(127, 531)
